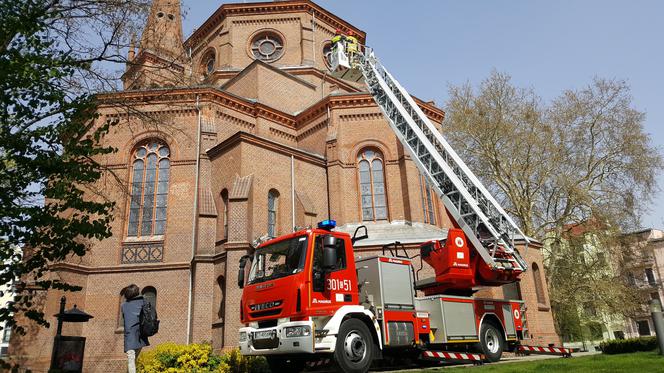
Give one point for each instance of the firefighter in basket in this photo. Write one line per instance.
(352, 47)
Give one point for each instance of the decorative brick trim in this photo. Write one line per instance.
(142, 253)
(360, 117)
(315, 128)
(256, 22)
(282, 134)
(235, 121)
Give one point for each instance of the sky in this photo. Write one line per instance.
(550, 46)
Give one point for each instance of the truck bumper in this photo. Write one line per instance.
(273, 341)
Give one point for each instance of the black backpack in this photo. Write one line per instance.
(149, 323)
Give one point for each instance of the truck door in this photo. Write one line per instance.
(338, 287)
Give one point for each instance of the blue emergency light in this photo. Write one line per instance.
(328, 224)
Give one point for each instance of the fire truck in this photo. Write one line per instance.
(307, 298)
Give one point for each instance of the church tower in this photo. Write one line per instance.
(160, 60)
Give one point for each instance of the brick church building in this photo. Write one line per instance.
(235, 133)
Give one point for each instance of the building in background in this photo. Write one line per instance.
(644, 263)
(638, 263)
(234, 133)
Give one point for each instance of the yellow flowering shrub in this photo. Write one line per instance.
(197, 358)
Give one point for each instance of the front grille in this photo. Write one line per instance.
(267, 323)
(262, 344)
(273, 312)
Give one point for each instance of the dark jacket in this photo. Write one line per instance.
(131, 309)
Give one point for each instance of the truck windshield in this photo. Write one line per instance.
(279, 259)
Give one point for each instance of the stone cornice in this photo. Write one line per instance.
(249, 107)
(248, 138)
(206, 258)
(361, 99)
(188, 96)
(87, 270)
(263, 8)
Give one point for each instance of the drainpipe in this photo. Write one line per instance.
(194, 222)
(313, 35)
(327, 175)
(292, 188)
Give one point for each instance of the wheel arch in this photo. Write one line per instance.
(357, 312)
(373, 328)
(494, 319)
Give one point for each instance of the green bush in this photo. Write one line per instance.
(197, 358)
(621, 346)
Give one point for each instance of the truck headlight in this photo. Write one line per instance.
(243, 336)
(297, 331)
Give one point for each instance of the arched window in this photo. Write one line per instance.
(272, 206)
(224, 202)
(221, 281)
(149, 190)
(539, 286)
(428, 206)
(372, 185)
(150, 295)
(208, 62)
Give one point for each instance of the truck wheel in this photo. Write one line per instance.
(492, 343)
(282, 364)
(354, 349)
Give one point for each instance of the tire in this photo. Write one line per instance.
(492, 343)
(280, 364)
(354, 349)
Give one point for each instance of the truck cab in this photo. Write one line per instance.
(296, 285)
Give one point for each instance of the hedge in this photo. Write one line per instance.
(198, 358)
(622, 346)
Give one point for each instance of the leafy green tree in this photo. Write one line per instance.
(52, 56)
(582, 160)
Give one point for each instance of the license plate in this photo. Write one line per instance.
(265, 334)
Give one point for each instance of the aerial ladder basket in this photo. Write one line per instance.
(486, 225)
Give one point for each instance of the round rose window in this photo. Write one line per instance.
(267, 46)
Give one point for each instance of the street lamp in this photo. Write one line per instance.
(658, 322)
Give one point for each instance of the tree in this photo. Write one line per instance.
(582, 160)
(52, 56)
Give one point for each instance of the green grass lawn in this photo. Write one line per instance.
(640, 362)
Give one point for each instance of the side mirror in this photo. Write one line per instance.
(329, 253)
(240, 271)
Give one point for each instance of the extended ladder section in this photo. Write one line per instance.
(487, 226)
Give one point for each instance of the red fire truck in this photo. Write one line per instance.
(307, 297)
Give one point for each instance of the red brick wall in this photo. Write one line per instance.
(324, 148)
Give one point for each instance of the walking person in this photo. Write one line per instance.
(134, 340)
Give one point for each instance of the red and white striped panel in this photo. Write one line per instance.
(445, 355)
(318, 363)
(545, 350)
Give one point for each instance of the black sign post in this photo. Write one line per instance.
(68, 351)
